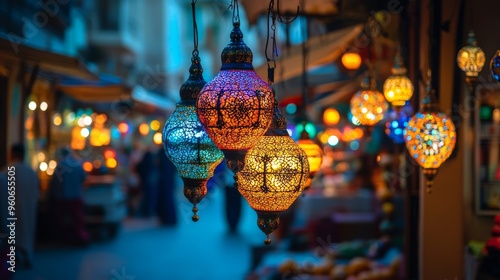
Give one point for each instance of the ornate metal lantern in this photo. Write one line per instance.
(430, 137)
(274, 174)
(471, 58)
(185, 141)
(236, 107)
(368, 105)
(398, 88)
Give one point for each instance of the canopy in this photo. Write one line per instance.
(51, 63)
(106, 89)
(322, 50)
(254, 8)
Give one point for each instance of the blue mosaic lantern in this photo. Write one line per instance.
(495, 66)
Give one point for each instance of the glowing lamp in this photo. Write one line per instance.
(430, 137)
(57, 120)
(123, 128)
(187, 144)
(236, 107)
(471, 58)
(111, 163)
(331, 117)
(398, 88)
(314, 155)
(495, 66)
(155, 125)
(351, 60)
(274, 174)
(144, 129)
(157, 138)
(368, 105)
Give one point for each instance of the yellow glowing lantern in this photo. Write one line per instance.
(111, 162)
(351, 60)
(157, 138)
(155, 125)
(274, 174)
(398, 87)
(57, 120)
(144, 129)
(314, 155)
(430, 137)
(331, 117)
(471, 58)
(368, 105)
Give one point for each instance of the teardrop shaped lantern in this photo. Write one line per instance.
(185, 141)
(495, 66)
(471, 58)
(314, 155)
(368, 105)
(398, 87)
(187, 144)
(236, 107)
(430, 137)
(274, 175)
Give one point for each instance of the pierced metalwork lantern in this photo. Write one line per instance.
(187, 144)
(495, 66)
(398, 87)
(471, 58)
(368, 105)
(236, 107)
(314, 155)
(430, 137)
(274, 175)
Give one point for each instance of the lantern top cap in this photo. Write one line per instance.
(278, 123)
(368, 82)
(471, 40)
(237, 55)
(399, 66)
(191, 88)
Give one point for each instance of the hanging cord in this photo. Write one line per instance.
(236, 12)
(305, 32)
(271, 25)
(195, 29)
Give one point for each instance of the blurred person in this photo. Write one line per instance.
(26, 201)
(66, 194)
(166, 190)
(147, 169)
(223, 177)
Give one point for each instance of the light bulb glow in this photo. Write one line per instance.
(32, 105)
(44, 106)
(85, 132)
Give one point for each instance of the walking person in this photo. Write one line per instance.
(167, 213)
(66, 195)
(26, 201)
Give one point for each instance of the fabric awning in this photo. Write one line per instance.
(106, 89)
(151, 102)
(322, 50)
(49, 62)
(254, 8)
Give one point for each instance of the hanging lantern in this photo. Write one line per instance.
(398, 121)
(471, 58)
(495, 66)
(430, 137)
(314, 155)
(368, 105)
(331, 117)
(236, 107)
(274, 174)
(398, 88)
(351, 60)
(185, 141)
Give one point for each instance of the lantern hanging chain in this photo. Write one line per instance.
(195, 29)
(271, 25)
(236, 12)
(286, 19)
(305, 27)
